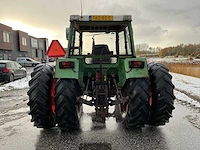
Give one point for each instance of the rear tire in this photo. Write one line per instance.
(11, 78)
(37, 69)
(39, 97)
(162, 94)
(138, 106)
(68, 111)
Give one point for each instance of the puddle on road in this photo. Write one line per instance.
(88, 125)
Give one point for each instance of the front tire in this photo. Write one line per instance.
(162, 94)
(33, 65)
(39, 97)
(138, 105)
(68, 111)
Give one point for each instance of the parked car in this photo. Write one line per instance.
(11, 70)
(43, 60)
(27, 61)
(51, 59)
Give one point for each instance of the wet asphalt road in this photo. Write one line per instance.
(18, 133)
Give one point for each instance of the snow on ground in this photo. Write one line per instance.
(17, 84)
(167, 59)
(184, 98)
(187, 88)
(186, 83)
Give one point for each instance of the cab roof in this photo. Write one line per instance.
(100, 23)
(101, 18)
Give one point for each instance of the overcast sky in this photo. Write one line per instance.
(156, 22)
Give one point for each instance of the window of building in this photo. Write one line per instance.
(1, 56)
(34, 43)
(24, 41)
(6, 37)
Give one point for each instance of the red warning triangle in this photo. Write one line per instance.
(55, 49)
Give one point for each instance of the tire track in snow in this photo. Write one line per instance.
(194, 97)
(186, 98)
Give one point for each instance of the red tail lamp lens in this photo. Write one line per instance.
(97, 76)
(6, 70)
(136, 64)
(66, 64)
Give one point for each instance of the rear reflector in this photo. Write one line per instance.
(66, 64)
(136, 64)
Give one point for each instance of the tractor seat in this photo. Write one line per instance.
(100, 49)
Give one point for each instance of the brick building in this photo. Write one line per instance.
(15, 43)
(6, 42)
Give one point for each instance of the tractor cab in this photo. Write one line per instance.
(113, 31)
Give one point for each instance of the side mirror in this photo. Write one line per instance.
(67, 33)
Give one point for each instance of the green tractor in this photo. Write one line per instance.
(100, 69)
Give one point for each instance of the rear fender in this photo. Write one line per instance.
(126, 72)
(68, 72)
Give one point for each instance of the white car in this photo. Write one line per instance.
(27, 61)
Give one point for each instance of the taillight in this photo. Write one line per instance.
(97, 76)
(136, 64)
(66, 64)
(6, 70)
